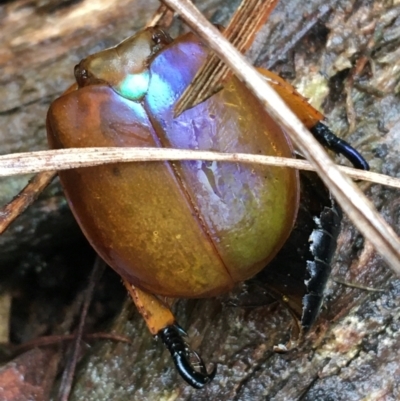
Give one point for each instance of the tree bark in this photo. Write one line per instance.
(352, 352)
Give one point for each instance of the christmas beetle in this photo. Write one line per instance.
(186, 229)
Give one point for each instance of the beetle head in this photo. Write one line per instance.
(125, 66)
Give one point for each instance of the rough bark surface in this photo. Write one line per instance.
(353, 351)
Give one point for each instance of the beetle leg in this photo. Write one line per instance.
(311, 118)
(327, 138)
(297, 276)
(155, 313)
(323, 244)
(161, 322)
(182, 355)
(323, 237)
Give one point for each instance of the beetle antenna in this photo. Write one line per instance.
(327, 138)
(182, 355)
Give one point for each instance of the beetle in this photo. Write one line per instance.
(189, 229)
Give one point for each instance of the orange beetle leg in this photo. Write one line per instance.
(296, 102)
(312, 118)
(161, 322)
(155, 313)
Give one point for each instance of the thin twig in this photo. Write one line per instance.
(358, 286)
(63, 159)
(162, 17)
(360, 210)
(25, 198)
(241, 30)
(46, 341)
(66, 383)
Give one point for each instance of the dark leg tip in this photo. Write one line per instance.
(327, 138)
(197, 376)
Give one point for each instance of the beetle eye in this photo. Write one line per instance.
(160, 37)
(81, 75)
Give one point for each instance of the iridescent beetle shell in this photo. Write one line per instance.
(179, 229)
